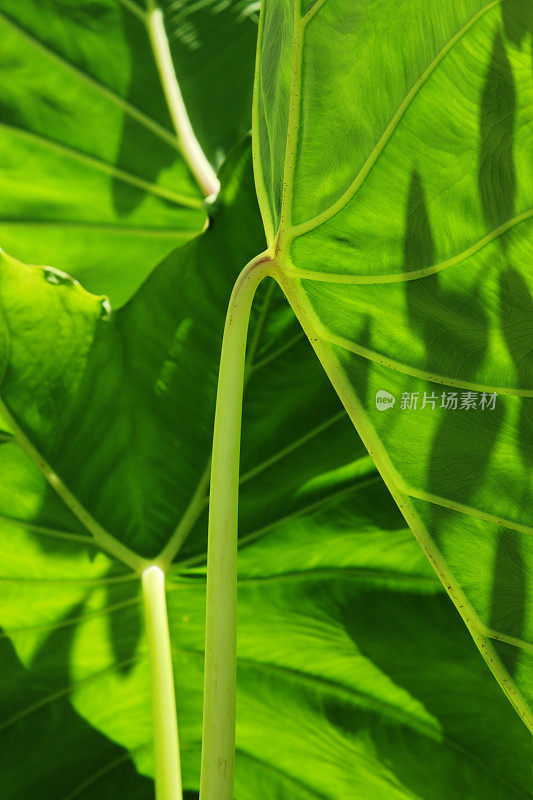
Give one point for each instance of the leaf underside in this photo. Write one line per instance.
(346, 643)
(393, 151)
(355, 678)
(93, 179)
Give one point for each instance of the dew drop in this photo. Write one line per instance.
(105, 310)
(56, 276)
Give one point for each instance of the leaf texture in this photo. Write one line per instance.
(400, 221)
(348, 645)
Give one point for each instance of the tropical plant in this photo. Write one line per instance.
(386, 193)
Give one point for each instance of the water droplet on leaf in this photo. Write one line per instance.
(106, 310)
(57, 276)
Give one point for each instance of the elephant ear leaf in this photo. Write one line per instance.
(400, 218)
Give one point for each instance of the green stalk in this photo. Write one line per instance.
(164, 719)
(218, 741)
(189, 145)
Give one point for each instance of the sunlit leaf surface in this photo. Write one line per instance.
(356, 677)
(394, 146)
(92, 177)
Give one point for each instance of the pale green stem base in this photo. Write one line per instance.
(164, 719)
(218, 742)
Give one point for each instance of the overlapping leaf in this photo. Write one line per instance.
(213, 49)
(347, 645)
(394, 151)
(92, 178)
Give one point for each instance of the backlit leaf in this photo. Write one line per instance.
(356, 678)
(393, 144)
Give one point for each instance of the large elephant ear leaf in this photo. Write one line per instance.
(400, 218)
(100, 174)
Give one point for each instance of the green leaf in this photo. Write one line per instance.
(213, 50)
(393, 144)
(93, 177)
(355, 679)
(119, 403)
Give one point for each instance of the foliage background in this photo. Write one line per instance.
(356, 676)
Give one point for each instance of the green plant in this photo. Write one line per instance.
(398, 227)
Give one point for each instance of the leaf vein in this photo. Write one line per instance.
(61, 693)
(129, 109)
(324, 216)
(7, 633)
(406, 369)
(444, 502)
(100, 165)
(401, 277)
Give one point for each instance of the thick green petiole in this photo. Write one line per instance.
(164, 719)
(218, 742)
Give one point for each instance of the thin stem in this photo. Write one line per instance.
(164, 718)
(218, 742)
(190, 147)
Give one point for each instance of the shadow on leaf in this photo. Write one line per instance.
(43, 736)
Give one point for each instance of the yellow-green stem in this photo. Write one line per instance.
(218, 741)
(190, 147)
(164, 719)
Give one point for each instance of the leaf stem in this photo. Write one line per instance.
(164, 718)
(200, 498)
(190, 147)
(218, 742)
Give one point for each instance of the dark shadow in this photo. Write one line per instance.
(125, 622)
(448, 322)
(403, 643)
(48, 750)
(497, 187)
(363, 368)
(516, 316)
(517, 16)
(418, 247)
(509, 592)
(496, 176)
(136, 139)
(454, 329)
